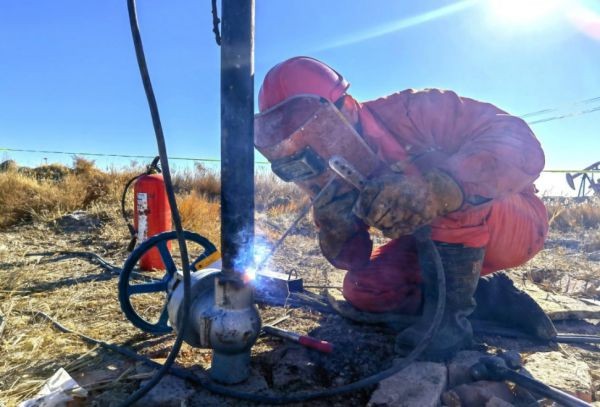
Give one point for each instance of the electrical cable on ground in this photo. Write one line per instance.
(91, 256)
(94, 258)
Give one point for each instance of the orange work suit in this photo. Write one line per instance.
(493, 156)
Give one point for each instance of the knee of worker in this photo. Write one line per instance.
(389, 282)
(518, 227)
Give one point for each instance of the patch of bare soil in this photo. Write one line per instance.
(83, 297)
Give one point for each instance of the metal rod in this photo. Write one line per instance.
(237, 136)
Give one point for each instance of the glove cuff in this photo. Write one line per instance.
(353, 253)
(448, 194)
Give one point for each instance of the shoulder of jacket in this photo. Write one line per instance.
(412, 93)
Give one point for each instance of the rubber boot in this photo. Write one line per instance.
(498, 300)
(462, 266)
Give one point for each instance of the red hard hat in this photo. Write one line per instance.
(300, 75)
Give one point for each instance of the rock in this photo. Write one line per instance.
(78, 221)
(458, 367)
(420, 384)
(477, 394)
(563, 372)
(170, 391)
(560, 307)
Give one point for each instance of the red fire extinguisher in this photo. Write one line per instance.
(152, 213)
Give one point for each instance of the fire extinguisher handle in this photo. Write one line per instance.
(153, 167)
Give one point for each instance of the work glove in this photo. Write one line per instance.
(398, 203)
(344, 239)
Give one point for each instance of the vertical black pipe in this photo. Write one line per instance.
(237, 135)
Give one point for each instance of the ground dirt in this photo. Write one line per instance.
(83, 297)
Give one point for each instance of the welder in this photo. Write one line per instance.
(463, 167)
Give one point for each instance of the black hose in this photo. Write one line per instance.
(162, 151)
(130, 227)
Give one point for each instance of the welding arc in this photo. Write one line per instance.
(162, 150)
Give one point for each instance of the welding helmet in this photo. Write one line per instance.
(300, 75)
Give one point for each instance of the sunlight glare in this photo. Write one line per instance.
(586, 20)
(525, 11)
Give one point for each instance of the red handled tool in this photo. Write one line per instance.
(304, 340)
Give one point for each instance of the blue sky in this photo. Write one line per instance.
(69, 81)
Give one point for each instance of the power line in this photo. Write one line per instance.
(564, 116)
(213, 160)
(208, 159)
(216, 160)
(545, 111)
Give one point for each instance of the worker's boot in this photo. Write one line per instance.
(462, 266)
(498, 300)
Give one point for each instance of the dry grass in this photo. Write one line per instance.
(49, 191)
(201, 215)
(202, 181)
(565, 216)
(270, 192)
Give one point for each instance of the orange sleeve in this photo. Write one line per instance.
(490, 153)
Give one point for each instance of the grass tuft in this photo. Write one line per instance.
(564, 216)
